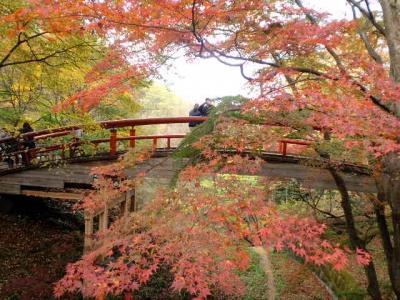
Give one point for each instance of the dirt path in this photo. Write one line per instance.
(294, 280)
(266, 266)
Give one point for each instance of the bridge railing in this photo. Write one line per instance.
(50, 137)
(60, 150)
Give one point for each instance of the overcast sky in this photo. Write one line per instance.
(208, 78)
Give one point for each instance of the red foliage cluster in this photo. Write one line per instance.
(200, 234)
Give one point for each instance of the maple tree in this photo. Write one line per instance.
(197, 233)
(314, 73)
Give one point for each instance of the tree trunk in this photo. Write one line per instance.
(386, 241)
(391, 17)
(389, 192)
(389, 183)
(355, 240)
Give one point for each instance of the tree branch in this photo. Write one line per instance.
(368, 14)
(17, 44)
(371, 51)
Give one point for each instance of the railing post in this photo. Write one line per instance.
(154, 144)
(284, 148)
(132, 133)
(63, 152)
(168, 143)
(113, 142)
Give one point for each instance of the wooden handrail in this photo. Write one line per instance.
(55, 132)
(296, 141)
(108, 125)
(51, 148)
(284, 142)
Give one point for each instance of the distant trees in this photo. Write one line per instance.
(41, 69)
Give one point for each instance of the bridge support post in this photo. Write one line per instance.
(103, 220)
(113, 142)
(88, 240)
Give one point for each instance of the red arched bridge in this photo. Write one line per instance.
(59, 168)
(28, 175)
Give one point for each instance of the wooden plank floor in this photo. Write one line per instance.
(55, 179)
(52, 182)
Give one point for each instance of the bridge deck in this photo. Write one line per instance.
(62, 181)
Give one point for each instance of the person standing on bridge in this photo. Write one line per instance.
(195, 112)
(206, 107)
(27, 142)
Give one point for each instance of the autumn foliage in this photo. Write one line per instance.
(317, 79)
(336, 81)
(200, 234)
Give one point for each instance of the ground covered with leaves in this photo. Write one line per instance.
(294, 280)
(34, 252)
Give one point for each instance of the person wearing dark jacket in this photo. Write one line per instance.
(206, 107)
(28, 142)
(195, 112)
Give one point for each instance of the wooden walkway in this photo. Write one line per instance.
(69, 181)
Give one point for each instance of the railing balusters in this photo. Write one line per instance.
(113, 142)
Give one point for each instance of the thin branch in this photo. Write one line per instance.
(17, 44)
(44, 58)
(371, 51)
(368, 14)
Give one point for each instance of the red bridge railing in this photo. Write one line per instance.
(27, 155)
